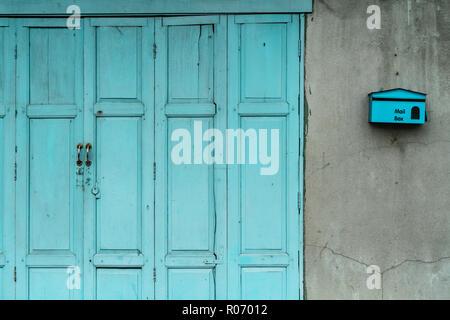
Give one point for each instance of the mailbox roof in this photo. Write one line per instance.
(398, 93)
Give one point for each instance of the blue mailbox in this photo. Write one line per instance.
(397, 106)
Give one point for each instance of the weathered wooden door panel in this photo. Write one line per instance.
(263, 216)
(49, 182)
(119, 246)
(190, 198)
(7, 157)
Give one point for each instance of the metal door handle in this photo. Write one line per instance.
(88, 147)
(79, 147)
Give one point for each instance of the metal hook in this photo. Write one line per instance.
(96, 190)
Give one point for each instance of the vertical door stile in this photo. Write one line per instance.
(301, 155)
(89, 131)
(7, 158)
(220, 170)
(21, 161)
(233, 170)
(292, 169)
(160, 157)
(148, 159)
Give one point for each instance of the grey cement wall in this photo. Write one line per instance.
(376, 195)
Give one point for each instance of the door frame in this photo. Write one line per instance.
(301, 158)
(152, 8)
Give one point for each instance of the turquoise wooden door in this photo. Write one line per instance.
(263, 210)
(49, 208)
(101, 193)
(190, 198)
(7, 156)
(119, 185)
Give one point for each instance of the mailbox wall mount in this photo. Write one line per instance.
(397, 106)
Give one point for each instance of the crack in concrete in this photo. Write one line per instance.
(415, 261)
(334, 252)
(325, 247)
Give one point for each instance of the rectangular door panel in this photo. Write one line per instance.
(190, 205)
(119, 284)
(50, 125)
(119, 183)
(119, 241)
(263, 283)
(263, 56)
(190, 193)
(7, 158)
(190, 76)
(263, 212)
(119, 47)
(263, 197)
(51, 142)
(48, 283)
(191, 284)
(52, 66)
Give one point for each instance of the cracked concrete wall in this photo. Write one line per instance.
(376, 195)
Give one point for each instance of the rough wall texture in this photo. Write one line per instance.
(376, 195)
